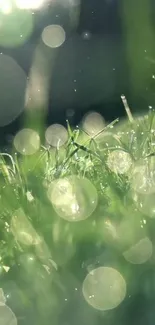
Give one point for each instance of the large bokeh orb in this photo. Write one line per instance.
(27, 142)
(53, 36)
(73, 198)
(104, 288)
(56, 135)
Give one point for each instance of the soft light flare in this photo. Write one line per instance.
(29, 4)
(5, 7)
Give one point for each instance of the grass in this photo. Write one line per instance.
(57, 260)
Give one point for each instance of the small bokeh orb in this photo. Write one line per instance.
(142, 178)
(73, 198)
(140, 252)
(53, 36)
(12, 90)
(119, 161)
(56, 135)
(93, 123)
(27, 142)
(86, 35)
(104, 288)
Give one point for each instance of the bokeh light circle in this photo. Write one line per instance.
(2, 297)
(93, 123)
(142, 178)
(56, 135)
(73, 198)
(22, 229)
(27, 142)
(145, 203)
(7, 316)
(140, 252)
(12, 90)
(53, 36)
(15, 27)
(104, 288)
(119, 161)
(86, 35)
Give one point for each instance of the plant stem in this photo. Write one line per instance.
(126, 106)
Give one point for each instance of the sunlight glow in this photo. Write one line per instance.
(5, 7)
(29, 4)
(16, 25)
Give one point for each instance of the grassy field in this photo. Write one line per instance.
(68, 210)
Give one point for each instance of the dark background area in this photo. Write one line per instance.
(95, 65)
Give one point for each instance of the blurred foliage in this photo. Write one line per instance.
(43, 283)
